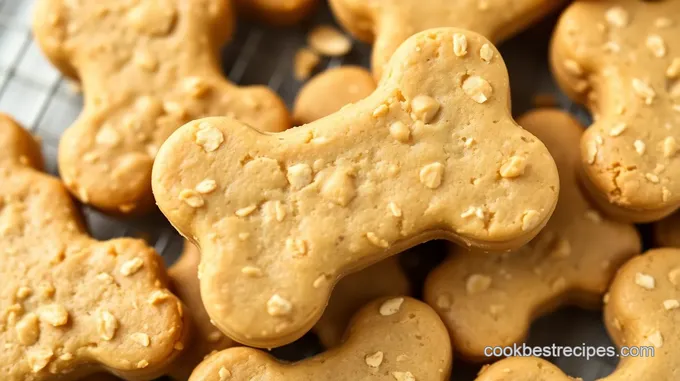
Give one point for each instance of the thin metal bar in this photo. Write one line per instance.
(43, 107)
(163, 242)
(249, 49)
(11, 70)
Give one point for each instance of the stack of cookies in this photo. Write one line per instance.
(292, 230)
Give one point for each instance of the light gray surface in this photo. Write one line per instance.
(34, 93)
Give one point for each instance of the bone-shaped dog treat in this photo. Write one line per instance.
(667, 231)
(279, 218)
(388, 23)
(491, 300)
(643, 310)
(385, 278)
(206, 338)
(622, 59)
(70, 305)
(330, 91)
(398, 339)
(147, 67)
(277, 12)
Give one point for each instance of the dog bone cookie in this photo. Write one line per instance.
(70, 305)
(277, 12)
(643, 310)
(621, 58)
(206, 338)
(491, 299)
(385, 278)
(432, 153)
(147, 67)
(388, 23)
(331, 90)
(389, 339)
(667, 231)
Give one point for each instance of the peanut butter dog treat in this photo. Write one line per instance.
(390, 339)
(206, 338)
(491, 300)
(280, 218)
(643, 310)
(147, 67)
(667, 231)
(388, 23)
(331, 90)
(385, 278)
(70, 305)
(622, 59)
(277, 12)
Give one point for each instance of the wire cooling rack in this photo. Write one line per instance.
(34, 93)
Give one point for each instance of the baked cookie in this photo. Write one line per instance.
(385, 278)
(388, 23)
(489, 300)
(621, 58)
(390, 339)
(277, 12)
(330, 91)
(643, 311)
(69, 305)
(432, 153)
(146, 68)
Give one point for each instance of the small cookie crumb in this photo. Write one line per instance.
(514, 167)
(107, 325)
(425, 108)
(141, 339)
(206, 186)
(394, 209)
(460, 45)
(208, 137)
(486, 53)
(299, 176)
(674, 277)
(23, 293)
(38, 358)
(377, 241)
(28, 329)
(278, 306)
(339, 188)
(645, 281)
(142, 364)
(329, 41)
(671, 304)
(158, 296)
(656, 338)
(245, 211)
(55, 315)
(403, 376)
(375, 359)
(400, 132)
(670, 147)
(477, 88)
(252, 271)
(656, 45)
(431, 175)
(574, 68)
(617, 16)
(191, 198)
(224, 374)
(618, 129)
(530, 219)
(640, 147)
(131, 266)
(644, 90)
(391, 306)
(591, 152)
(593, 216)
(477, 283)
(673, 70)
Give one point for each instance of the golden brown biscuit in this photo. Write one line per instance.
(398, 339)
(147, 67)
(280, 218)
(621, 58)
(385, 278)
(331, 90)
(277, 12)
(388, 23)
(643, 311)
(667, 231)
(489, 300)
(206, 338)
(69, 305)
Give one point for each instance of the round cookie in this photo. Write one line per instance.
(331, 90)
(277, 12)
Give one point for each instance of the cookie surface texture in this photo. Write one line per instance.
(146, 68)
(418, 159)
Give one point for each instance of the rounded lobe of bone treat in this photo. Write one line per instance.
(370, 196)
(410, 343)
(635, 317)
(388, 23)
(331, 90)
(571, 261)
(146, 68)
(70, 305)
(626, 77)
